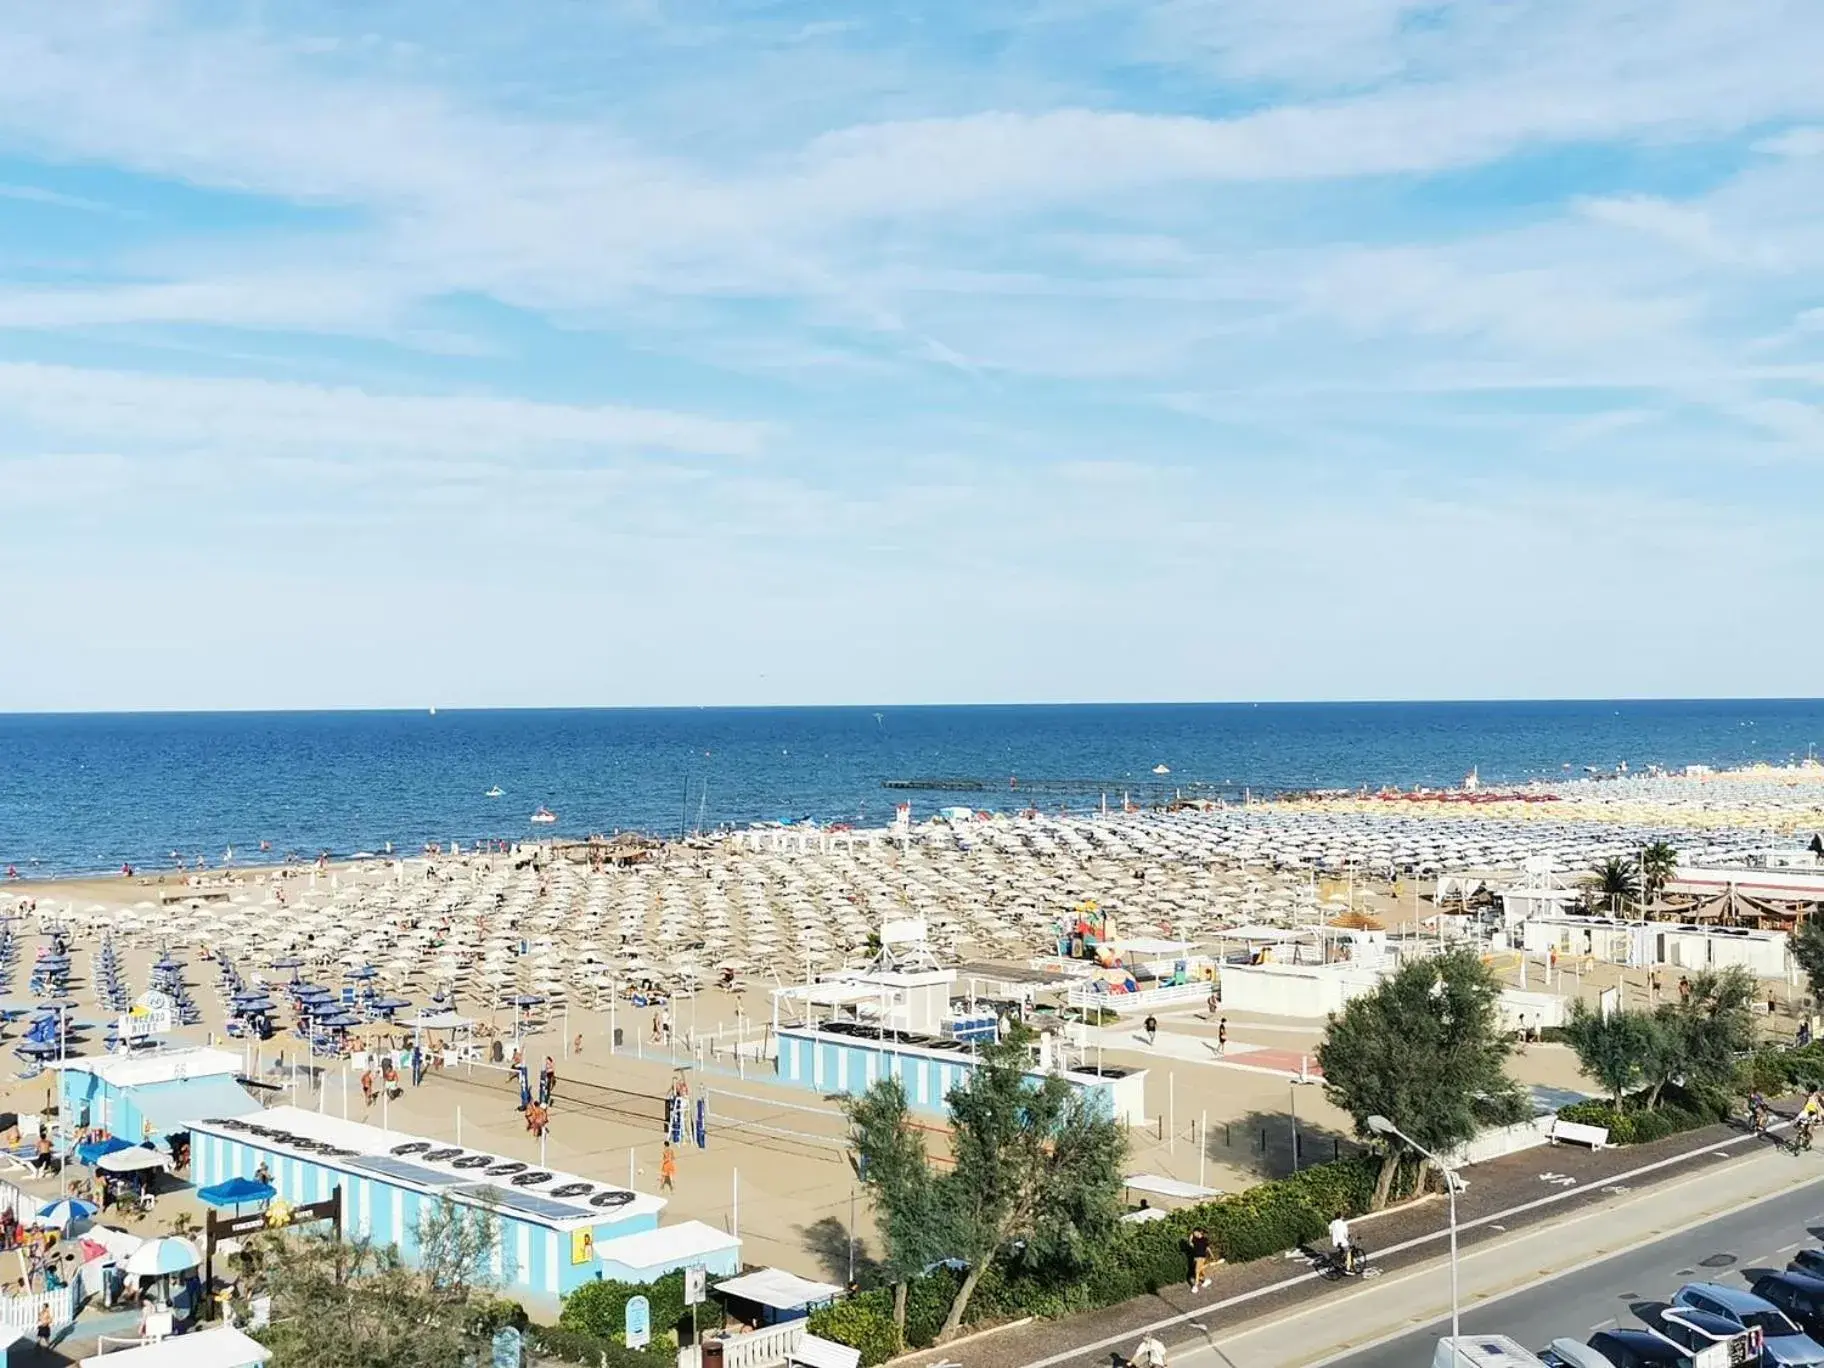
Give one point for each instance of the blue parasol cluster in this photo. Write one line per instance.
(322, 1014)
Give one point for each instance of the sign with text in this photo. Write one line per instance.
(695, 1278)
(639, 1323)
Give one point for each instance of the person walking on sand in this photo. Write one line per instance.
(668, 1170)
(1222, 1037)
(367, 1086)
(1151, 1026)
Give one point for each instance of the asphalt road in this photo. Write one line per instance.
(1614, 1292)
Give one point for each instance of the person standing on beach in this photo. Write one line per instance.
(1222, 1037)
(668, 1170)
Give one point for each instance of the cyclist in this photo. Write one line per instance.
(1809, 1116)
(1342, 1244)
(1757, 1112)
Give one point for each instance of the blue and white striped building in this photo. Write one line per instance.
(851, 1062)
(556, 1231)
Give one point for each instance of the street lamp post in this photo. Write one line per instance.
(1380, 1125)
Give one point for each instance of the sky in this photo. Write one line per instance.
(673, 352)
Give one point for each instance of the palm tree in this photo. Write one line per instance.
(1658, 862)
(1614, 883)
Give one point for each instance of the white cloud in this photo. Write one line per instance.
(235, 415)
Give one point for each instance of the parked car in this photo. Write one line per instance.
(1783, 1344)
(1799, 1295)
(1809, 1262)
(1709, 1337)
(1639, 1349)
(1568, 1353)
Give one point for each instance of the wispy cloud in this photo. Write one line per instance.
(1177, 286)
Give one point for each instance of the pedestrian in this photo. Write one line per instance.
(1199, 1247)
(668, 1170)
(367, 1085)
(547, 1081)
(1222, 1037)
(44, 1325)
(1684, 989)
(1152, 1028)
(576, 1046)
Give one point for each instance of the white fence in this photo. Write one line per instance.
(764, 1347)
(1146, 1000)
(21, 1313)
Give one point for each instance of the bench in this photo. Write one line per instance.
(1577, 1133)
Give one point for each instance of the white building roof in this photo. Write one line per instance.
(163, 1066)
(224, 1347)
(667, 1244)
(778, 1289)
(367, 1142)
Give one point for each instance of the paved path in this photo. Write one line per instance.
(1547, 1185)
(1625, 1289)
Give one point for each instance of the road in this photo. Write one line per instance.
(1732, 1249)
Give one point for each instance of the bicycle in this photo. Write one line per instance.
(1334, 1267)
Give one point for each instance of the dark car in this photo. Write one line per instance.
(1799, 1295)
(1638, 1349)
(1809, 1262)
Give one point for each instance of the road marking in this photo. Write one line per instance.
(1550, 1199)
(1787, 1249)
(1603, 1325)
(1561, 1179)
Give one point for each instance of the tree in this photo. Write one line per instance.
(1426, 1050)
(1614, 1050)
(1613, 884)
(1035, 1174)
(345, 1304)
(1701, 1040)
(892, 1163)
(1658, 863)
(1808, 950)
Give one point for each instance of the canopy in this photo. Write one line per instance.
(1161, 1186)
(236, 1192)
(136, 1159)
(776, 1288)
(175, 1109)
(91, 1150)
(222, 1347)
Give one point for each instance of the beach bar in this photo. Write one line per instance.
(151, 1096)
(555, 1231)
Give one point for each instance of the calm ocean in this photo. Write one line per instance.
(84, 793)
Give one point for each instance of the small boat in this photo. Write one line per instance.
(1162, 769)
(494, 792)
(433, 712)
(544, 816)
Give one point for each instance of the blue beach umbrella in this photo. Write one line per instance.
(236, 1192)
(38, 1048)
(365, 971)
(390, 1004)
(63, 1213)
(160, 1257)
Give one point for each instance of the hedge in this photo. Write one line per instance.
(1137, 1260)
(861, 1324)
(1678, 1111)
(579, 1346)
(1781, 1071)
(600, 1308)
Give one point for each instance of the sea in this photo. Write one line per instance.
(87, 793)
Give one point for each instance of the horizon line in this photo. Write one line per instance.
(402, 710)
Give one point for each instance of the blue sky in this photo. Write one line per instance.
(677, 352)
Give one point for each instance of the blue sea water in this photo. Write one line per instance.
(83, 793)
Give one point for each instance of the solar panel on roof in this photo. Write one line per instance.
(528, 1202)
(388, 1167)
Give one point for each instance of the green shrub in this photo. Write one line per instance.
(600, 1308)
(1679, 1110)
(927, 1303)
(488, 1314)
(578, 1346)
(860, 1324)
